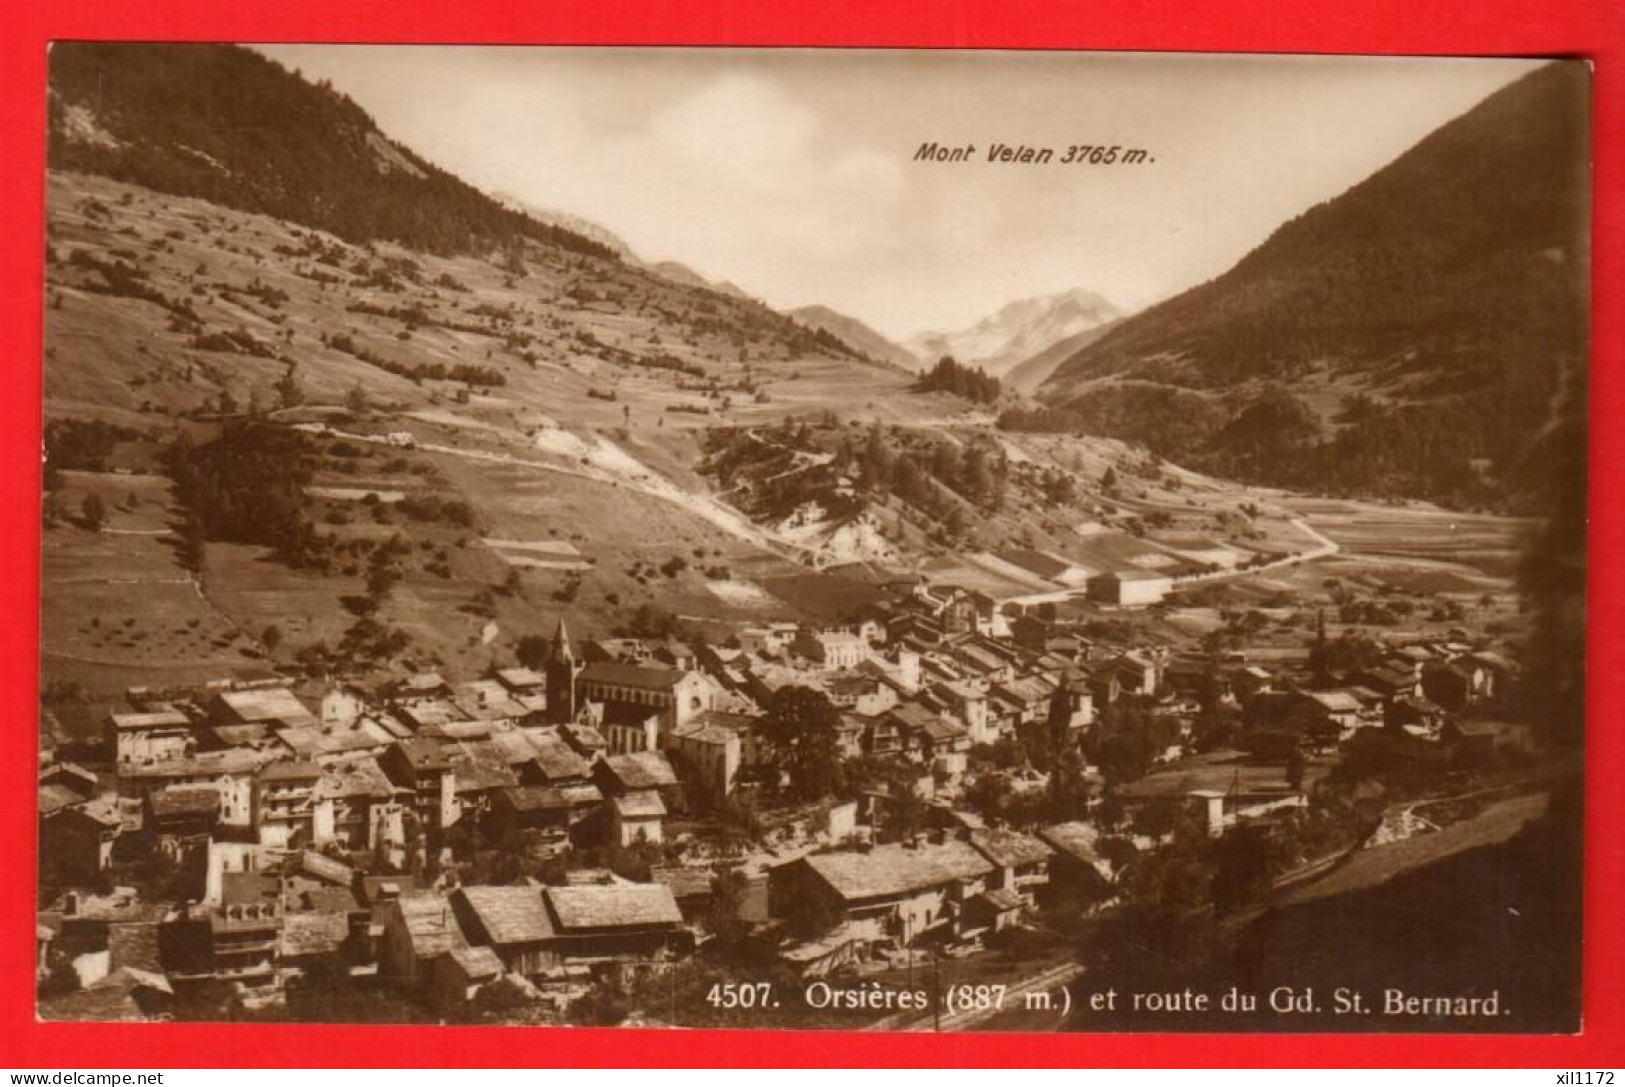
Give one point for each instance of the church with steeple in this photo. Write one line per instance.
(560, 671)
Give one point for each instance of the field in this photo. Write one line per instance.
(120, 609)
(576, 459)
(1416, 534)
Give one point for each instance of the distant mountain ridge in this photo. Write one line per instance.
(676, 271)
(1017, 331)
(1410, 337)
(854, 332)
(1030, 373)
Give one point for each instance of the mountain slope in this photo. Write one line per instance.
(235, 128)
(1408, 337)
(575, 224)
(1019, 330)
(1030, 373)
(850, 330)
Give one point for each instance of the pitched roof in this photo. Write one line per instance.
(424, 754)
(1010, 848)
(1335, 701)
(888, 870)
(477, 963)
(637, 676)
(360, 777)
(203, 801)
(324, 867)
(685, 882)
(318, 933)
(642, 770)
(291, 770)
(1000, 899)
(520, 679)
(551, 797)
(156, 719)
(480, 766)
(509, 915)
(430, 924)
(644, 804)
(265, 704)
(55, 797)
(620, 905)
(1076, 840)
(557, 760)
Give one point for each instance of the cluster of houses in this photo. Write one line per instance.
(299, 831)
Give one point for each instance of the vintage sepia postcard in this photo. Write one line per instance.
(816, 539)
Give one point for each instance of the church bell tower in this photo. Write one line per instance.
(561, 678)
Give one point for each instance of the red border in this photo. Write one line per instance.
(1590, 28)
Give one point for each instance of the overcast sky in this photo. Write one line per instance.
(790, 173)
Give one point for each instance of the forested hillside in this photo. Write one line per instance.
(1407, 338)
(236, 128)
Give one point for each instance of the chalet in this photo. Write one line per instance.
(145, 738)
(1076, 866)
(1129, 588)
(421, 685)
(232, 774)
(981, 659)
(552, 762)
(421, 768)
(415, 930)
(1021, 862)
(101, 934)
(522, 682)
(636, 817)
(274, 706)
(967, 704)
(832, 649)
(903, 892)
(458, 975)
(619, 923)
(325, 743)
(693, 888)
(79, 840)
(479, 770)
(177, 821)
(1388, 681)
(711, 753)
(769, 641)
(512, 922)
(284, 803)
(542, 807)
(355, 806)
(584, 740)
(863, 693)
(245, 929)
(638, 772)
(1338, 708)
(312, 940)
(71, 777)
(489, 701)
